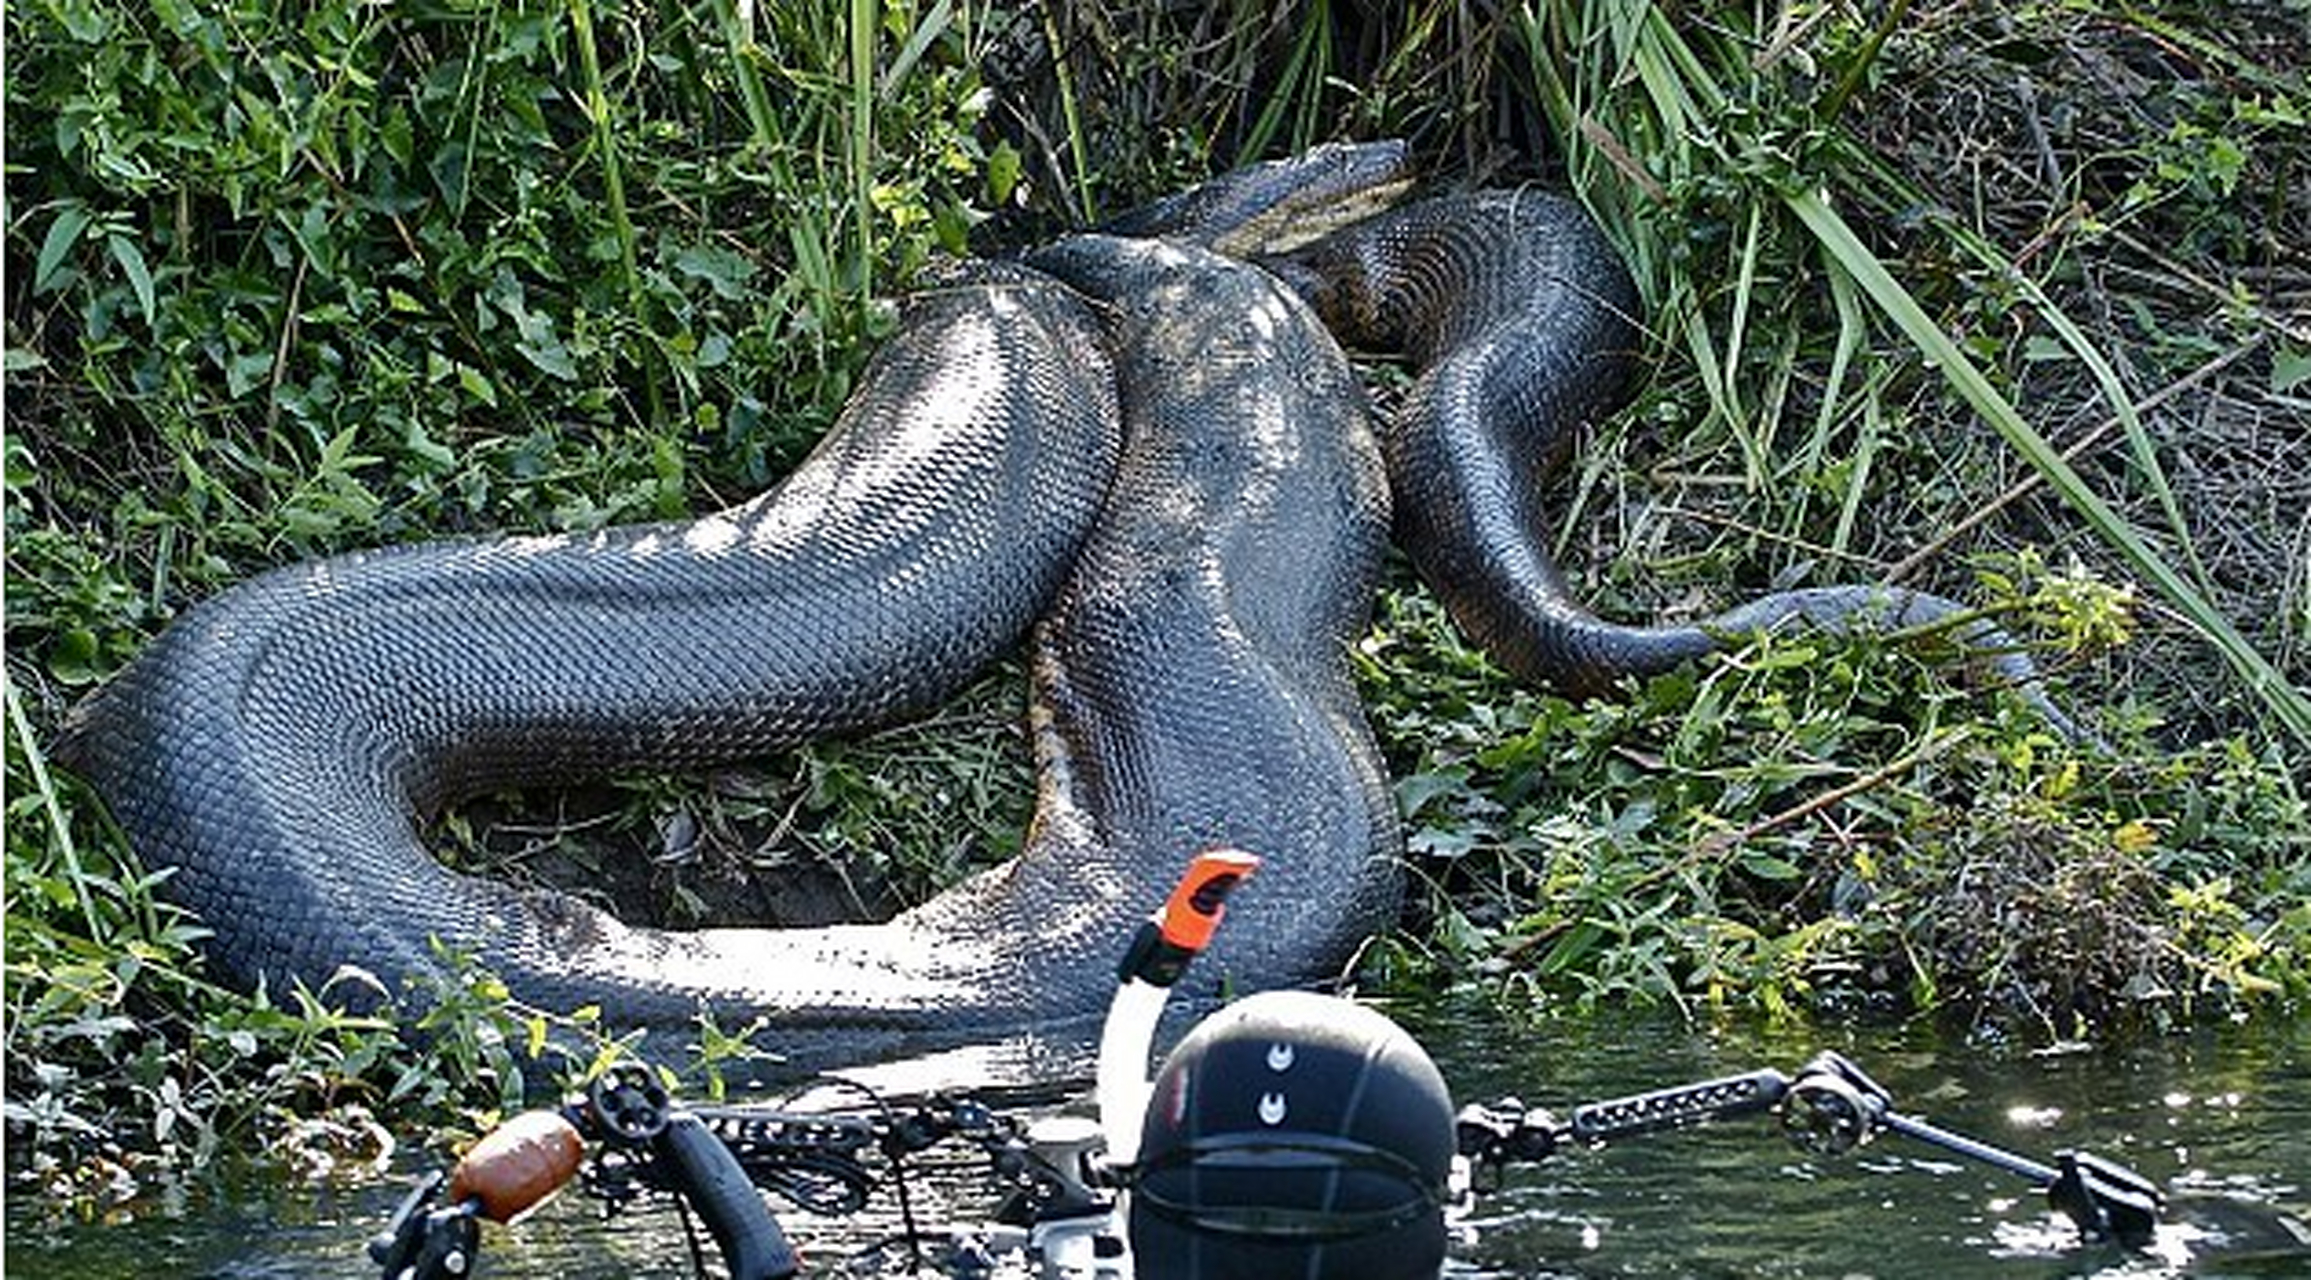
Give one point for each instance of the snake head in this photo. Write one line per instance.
(1272, 207)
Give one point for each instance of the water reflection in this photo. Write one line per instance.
(2222, 1118)
(2226, 1111)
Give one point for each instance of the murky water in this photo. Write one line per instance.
(2222, 1118)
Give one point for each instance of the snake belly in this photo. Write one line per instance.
(275, 748)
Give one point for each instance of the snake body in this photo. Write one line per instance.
(1192, 683)
(1219, 534)
(1149, 445)
(276, 745)
(1522, 323)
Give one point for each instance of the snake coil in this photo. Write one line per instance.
(1151, 451)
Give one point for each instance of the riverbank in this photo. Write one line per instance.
(279, 290)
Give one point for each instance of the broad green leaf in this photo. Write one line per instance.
(477, 386)
(1766, 866)
(132, 264)
(1004, 166)
(723, 271)
(63, 233)
(2290, 368)
(1415, 791)
(72, 658)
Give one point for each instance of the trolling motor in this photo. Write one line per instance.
(1829, 1109)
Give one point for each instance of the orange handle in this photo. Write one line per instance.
(1200, 898)
(518, 1164)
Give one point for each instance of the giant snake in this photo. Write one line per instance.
(1146, 449)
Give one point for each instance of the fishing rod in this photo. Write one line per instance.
(1286, 1124)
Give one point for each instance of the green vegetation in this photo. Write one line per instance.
(1842, 299)
(2011, 306)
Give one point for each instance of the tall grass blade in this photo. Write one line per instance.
(1753, 443)
(865, 20)
(51, 809)
(613, 181)
(2286, 702)
(933, 25)
(1852, 330)
(1685, 99)
(1298, 90)
(1078, 152)
(2139, 443)
(762, 123)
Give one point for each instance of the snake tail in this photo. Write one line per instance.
(1523, 325)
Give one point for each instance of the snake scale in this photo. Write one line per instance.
(1143, 452)
(1523, 325)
